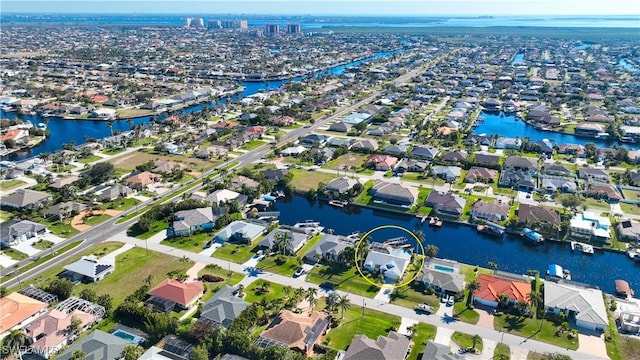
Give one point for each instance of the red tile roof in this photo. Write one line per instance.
(491, 287)
(178, 292)
(15, 308)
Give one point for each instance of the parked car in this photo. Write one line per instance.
(424, 308)
(451, 301)
(299, 271)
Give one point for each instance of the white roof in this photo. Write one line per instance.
(224, 195)
(248, 230)
(586, 302)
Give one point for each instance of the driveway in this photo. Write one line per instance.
(486, 316)
(592, 344)
(518, 352)
(443, 336)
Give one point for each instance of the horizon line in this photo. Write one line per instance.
(310, 14)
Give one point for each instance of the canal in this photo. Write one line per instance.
(509, 126)
(462, 243)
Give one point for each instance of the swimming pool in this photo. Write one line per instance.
(134, 339)
(443, 268)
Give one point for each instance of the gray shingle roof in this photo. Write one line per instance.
(25, 197)
(223, 307)
(98, 345)
(393, 346)
(445, 280)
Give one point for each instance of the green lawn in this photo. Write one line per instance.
(286, 268)
(42, 260)
(231, 278)
(235, 253)
(121, 204)
(526, 327)
(465, 340)
(422, 196)
(410, 296)
(42, 244)
(344, 279)
(63, 230)
(304, 180)
(10, 184)
(365, 198)
(252, 144)
(112, 151)
(348, 159)
(424, 332)
(6, 215)
(630, 208)
(155, 228)
(463, 313)
(598, 204)
(14, 254)
(97, 219)
(254, 294)
(373, 324)
(89, 159)
(311, 243)
(502, 350)
(194, 243)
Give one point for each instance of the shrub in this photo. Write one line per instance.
(211, 278)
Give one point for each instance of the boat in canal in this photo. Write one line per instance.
(338, 203)
(435, 221)
(627, 139)
(584, 248)
(557, 271)
(490, 228)
(633, 253)
(532, 236)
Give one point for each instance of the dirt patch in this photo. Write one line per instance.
(77, 223)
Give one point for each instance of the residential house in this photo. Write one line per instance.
(90, 269)
(165, 167)
(381, 162)
(557, 170)
(65, 209)
(222, 308)
(521, 163)
(183, 295)
(588, 129)
(329, 247)
(221, 196)
(583, 304)
(520, 180)
(630, 322)
(240, 231)
(560, 184)
(282, 120)
(492, 211)
(18, 311)
(447, 173)
(472, 140)
(629, 230)
(427, 153)
(237, 183)
(295, 239)
(480, 174)
(603, 191)
(274, 174)
(397, 149)
(492, 287)
(507, 143)
(25, 199)
(314, 139)
(454, 156)
(298, 332)
(443, 276)
(365, 145)
(186, 222)
(446, 203)
(411, 165)
(293, 150)
(59, 183)
(434, 351)
(143, 179)
(114, 191)
(15, 231)
(393, 193)
(487, 159)
(390, 261)
(339, 187)
(97, 345)
(535, 214)
(340, 126)
(211, 152)
(392, 346)
(594, 175)
(589, 225)
(50, 332)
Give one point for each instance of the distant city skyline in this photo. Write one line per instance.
(323, 7)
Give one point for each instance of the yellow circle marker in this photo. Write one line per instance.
(389, 286)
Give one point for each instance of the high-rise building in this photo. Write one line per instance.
(271, 29)
(243, 24)
(294, 29)
(214, 24)
(229, 24)
(194, 22)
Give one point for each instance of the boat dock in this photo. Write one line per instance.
(585, 248)
(338, 203)
(491, 229)
(434, 221)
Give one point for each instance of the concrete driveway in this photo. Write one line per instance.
(486, 316)
(592, 343)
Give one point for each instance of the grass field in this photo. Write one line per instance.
(194, 243)
(97, 219)
(42, 244)
(10, 184)
(255, 295)
(373, 324)
(598, 204)
(526, 327)
(349, 159)
(502, 350)
(130, 113)
(304, 180)
(14, 254)
(131, 160)
(465, 340)
(343, 279)
(6, 215)
(424, 332)
(252, 144)
(231, 278)
(89, 159)
(235, 253)
(42, 260)
(270, 264)
(121, 204)
(155, 228)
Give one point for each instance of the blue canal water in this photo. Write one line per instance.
(509, 126)
(462, 243)
(67, 131)
(625, 65)
(518, 59)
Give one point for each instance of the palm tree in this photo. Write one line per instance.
(287, 290)
(265, 286)
(311, 298)
(472, 286)
(419, 234)
(535, 299)
(431, 251)
(149, 280)
(476, 340)
(240, 291)
(15, 341)
(78, 355)
(283, 242)
(344, 304)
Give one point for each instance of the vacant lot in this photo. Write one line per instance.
(348, 159)
(304, 180)
(130, 161)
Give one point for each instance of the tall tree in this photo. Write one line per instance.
(472, 286)
(14, 342)
(132, 352)
(343, 304)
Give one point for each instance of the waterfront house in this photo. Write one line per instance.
(427, 153)
(393, 193)
(492, 211)
(447, 173)
(239, 182)
(221, 196)
(185, 222)
(629, 230)
(293, 240)
(588, 129)
(274, 174)
(18, 311)
(365, 145)
(329, 247)
(392, 346)
(507, 143)
(97, 345)
(480, 174)
(25, 199)
(339, 187)
(390, 261)
(538, 215)
(15, 231)
(297, 332)
(50, 332)
(381, 162)
(552, 183)
(222, 308)
(446, 203)
(591, 226)
(240, 231)
(520, 180)
(184, 295)
(443, 276)
(492, 287)
(594, 175)
(630, 322)
(89, 269)
(521, 163)
(487, 159)
(584, 305)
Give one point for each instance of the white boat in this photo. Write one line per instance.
(634, 253)
(585, 248)
(602, 136)
(532, 236)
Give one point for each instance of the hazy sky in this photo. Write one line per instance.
(347, 7)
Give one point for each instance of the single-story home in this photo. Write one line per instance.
(446, 203)
(393, 193)
(328, 247)
(18, 311)
(186, 222)
(629, 230)
(90, 268)
(15, 231)
(222, 308)
(298, 332)
(240, 231)
(25, 199)
(492, 211)
(480, 174)
(534, 214)
(448, 173)
(392, 346)
(184, 295)
(97, 345)
(585, 305)
(381, 162)
(294, 239)
(339, 186)
(390, 261)
(49, 332)
(492, 287)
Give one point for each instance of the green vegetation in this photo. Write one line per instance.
(42, 260)
(541, 330)
(465, 314)
(466, 341)
(365, 198)
(502, 351)
(230, 278)
(194, 243)
(279, 264)
(420, 208)
(96, 219)
(155, 228)
(10, 184)
(5, 215)
(42, 244)
(89, 159)
(64, 230)
(347, 279)
(252, 144)
(304, 180)
(422, 333)
(236, 253)
(263, 289)
(357, 320)
(14, 254)
(410, 296)
(120, 204)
